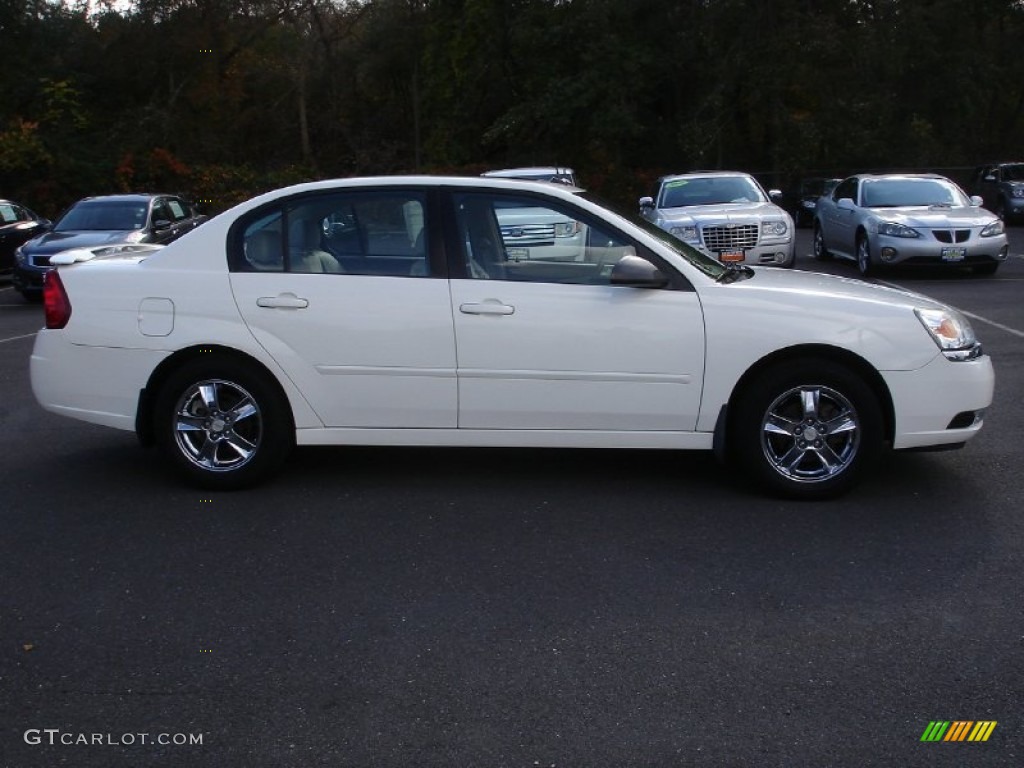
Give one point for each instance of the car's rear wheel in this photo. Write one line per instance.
(820, 251)
(864, 263)
(223, 423)
(807, 428)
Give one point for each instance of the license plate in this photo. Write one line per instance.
(517, 254)
(731, 256)
(954, 254)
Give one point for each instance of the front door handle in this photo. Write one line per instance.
(282, 301)
(489, 307)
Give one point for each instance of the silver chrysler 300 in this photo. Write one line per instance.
(726, 214)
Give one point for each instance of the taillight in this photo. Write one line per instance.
(56, 304)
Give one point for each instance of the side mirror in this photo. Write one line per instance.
(636, 272)
(646, 202)
(989, 177)
(161, 224)
(775, 194)
(846, 204)
(976, 201)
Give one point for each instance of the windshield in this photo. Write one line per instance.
(898, 193)
(104, 215)
(709, 190)
(1013, 172)
(710, 267)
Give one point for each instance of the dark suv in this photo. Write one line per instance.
(1001, 187)
(97, 221)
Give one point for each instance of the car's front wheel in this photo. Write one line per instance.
(864, 263)
(807, 428)
(223, 423)
(820, 251)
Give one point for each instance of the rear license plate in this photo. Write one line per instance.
(731, 256)
(954, 254)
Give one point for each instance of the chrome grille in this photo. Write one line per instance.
(526, 234)
(730, 237)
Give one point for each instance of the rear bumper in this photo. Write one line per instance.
(99, 385)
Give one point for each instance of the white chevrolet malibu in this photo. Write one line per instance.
(388, 311)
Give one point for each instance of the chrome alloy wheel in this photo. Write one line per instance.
(810, 434)
(864, 256)
(217, 425)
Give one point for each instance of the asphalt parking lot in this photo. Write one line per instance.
(426, 607)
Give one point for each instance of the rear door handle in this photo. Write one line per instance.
(490, 307)
(282, 301)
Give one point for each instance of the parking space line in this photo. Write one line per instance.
(15, 338)
(994, 324)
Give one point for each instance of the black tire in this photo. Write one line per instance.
(864, 264)
(806, 429)
(223, 423)
(1003, 211)
(820, 251)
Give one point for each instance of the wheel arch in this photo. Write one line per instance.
(806, 352)
(144, 426)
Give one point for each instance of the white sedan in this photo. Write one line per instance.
(386, 311)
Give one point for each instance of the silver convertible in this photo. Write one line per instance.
(907, 220)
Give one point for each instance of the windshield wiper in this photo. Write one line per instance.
(734, 272)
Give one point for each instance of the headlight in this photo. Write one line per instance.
(1018, 192)
(951, 332)
(995, 228)
(689, 234)
(19, 255)
(810, 204)
(135, 237)
(774, 228)
(893, 229)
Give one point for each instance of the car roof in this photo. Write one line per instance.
(704, 175)
(565, 191)
(539, 170)
(122, 198)
(876, 176)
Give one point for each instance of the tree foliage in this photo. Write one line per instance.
(223, 98)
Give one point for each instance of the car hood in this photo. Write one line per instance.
(724, 213)
(929, 218)
(833, 288)
(53, 242)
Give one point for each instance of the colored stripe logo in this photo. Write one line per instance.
(958, 730)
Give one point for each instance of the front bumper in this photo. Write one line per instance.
(1014, 207)
(928, 250)
(942, 403)
(775, 254)
(28, 279)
